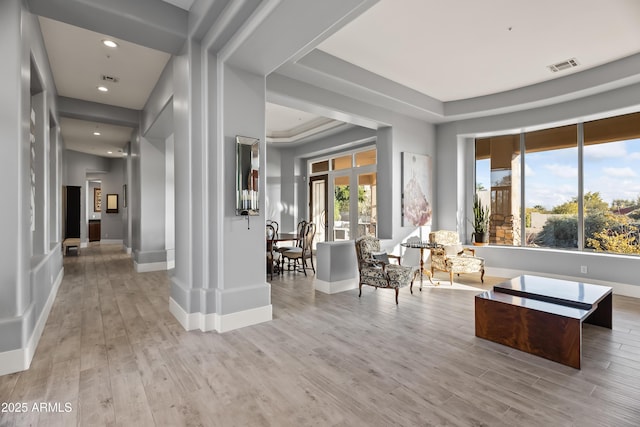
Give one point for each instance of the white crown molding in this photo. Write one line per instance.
(302, 132)
(325, 71)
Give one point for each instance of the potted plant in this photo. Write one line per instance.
(480, 223)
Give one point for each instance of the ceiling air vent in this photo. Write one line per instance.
(110, 79)
(564, 65)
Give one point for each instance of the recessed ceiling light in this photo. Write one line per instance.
(103, 89)
(96, 133)
(109, 43)
(109, 152)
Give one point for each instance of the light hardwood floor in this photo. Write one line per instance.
(114, 352)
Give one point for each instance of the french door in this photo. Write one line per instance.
(318, 204)
(352, 209)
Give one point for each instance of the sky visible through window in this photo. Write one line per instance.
(551, 177)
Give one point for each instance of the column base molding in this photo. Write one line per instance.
(335, 287)
(220, 323)
(19, 360)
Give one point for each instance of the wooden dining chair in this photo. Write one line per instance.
(304, 252)
(273, 256)
(297, 243)
(276, 227)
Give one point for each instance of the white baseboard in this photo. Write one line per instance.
(128, 251)
(20, 360)
(189, 321)
(14, 361)
(618, 288)
(335, 287)
(84, 245)
(220, 323)
(150, 266)
(229, 322)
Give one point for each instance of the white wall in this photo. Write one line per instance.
(170, 204)
(152, 195)
(28, 284)
(80, 166)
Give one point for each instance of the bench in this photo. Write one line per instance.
(542, 316)
(70, 242)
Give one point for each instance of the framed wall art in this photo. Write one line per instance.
(417, 184)
(97, 199)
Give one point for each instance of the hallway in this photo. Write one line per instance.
(112, 350)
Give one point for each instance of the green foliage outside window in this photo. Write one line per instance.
(341, 201)
(604, 230)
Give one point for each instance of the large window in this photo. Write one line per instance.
(551, 187)
(498, 185)
(611, 161)
(581, 186)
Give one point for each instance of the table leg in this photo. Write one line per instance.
(422, 270)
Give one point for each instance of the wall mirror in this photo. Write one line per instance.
(112, 203)
(247, 173)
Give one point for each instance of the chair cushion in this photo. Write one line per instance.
(398, 276)
(293, 253)
(381, 256)
(465, 264)
(444, 237)
(452, 250)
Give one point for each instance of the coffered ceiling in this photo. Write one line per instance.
(459, 49)
(444, 52)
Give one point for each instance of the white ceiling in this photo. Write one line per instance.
(79, 60)
(451, 50)
(182, 4)
(461, 49)
(78, 136)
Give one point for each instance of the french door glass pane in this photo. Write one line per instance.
(318, 209)
(341, 202)
(367, 205)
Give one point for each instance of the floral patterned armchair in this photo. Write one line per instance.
(451, 257)
(378, 272)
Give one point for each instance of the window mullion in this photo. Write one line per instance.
(523, 209)
(581, 232)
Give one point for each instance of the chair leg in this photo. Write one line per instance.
(312, 266)
(360, 286)
(451, 277)
(397, 292)
(303, 264)
(482, 276)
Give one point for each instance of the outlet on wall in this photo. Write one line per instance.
(583, 269)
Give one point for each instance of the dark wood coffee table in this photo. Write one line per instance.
(542, 316)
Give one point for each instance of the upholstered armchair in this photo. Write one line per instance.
(450, 256)
(378, 272)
